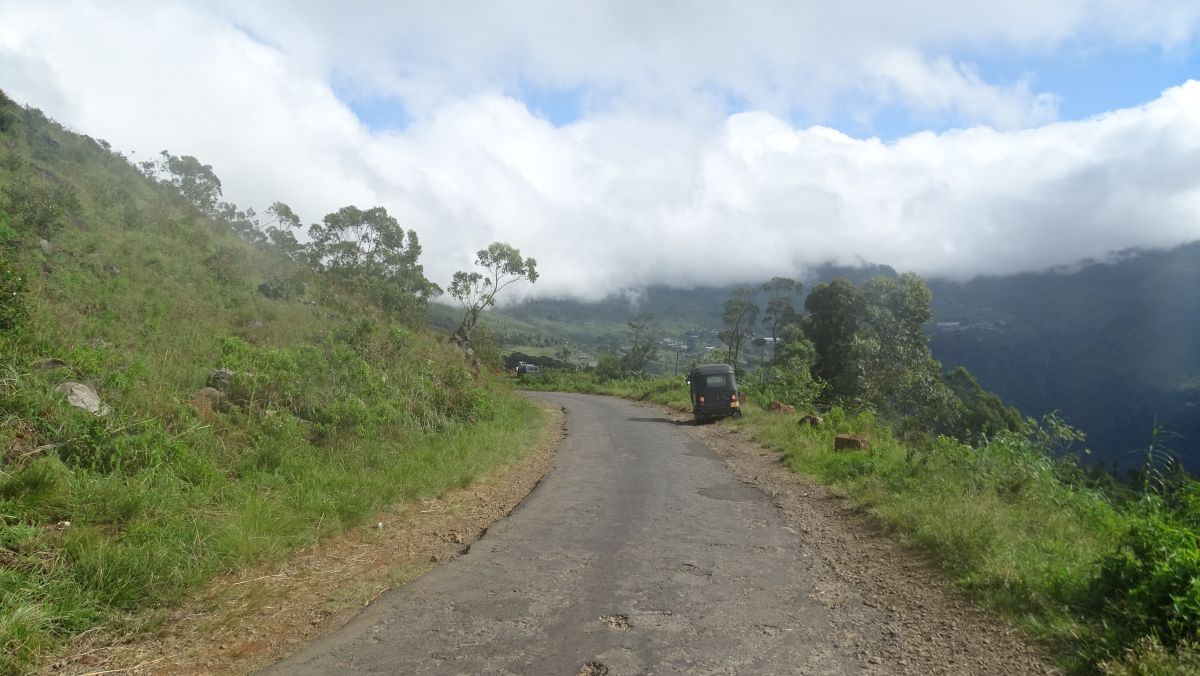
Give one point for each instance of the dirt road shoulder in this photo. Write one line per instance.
(919, 627)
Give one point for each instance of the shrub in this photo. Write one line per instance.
(1151, 583)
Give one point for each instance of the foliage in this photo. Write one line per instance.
(370, 252)
(981, 413)
(502, 266)
(738, 320)
(790, 383)
(833, 312)
(781, 307)
(38, 207)
(194, 181)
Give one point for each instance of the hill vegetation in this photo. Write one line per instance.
(253, 394)
(1109, 345)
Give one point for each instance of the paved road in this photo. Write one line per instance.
(640, 552)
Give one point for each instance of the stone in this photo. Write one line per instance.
(811, 420)
(46, 247)
(99, 344)
(780, 407)
(207, 401)
(112, 269)
(47, 363)
(256, 324)
(83, 396)
(850, 442)
(220, 379)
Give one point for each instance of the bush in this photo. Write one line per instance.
(38, 208)
(1151, 583)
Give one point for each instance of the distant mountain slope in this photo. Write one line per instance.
(1114, 346)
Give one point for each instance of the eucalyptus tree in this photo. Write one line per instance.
(500, 266)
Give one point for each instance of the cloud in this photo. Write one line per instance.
(660, 184)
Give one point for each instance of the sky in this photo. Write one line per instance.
(627, 143)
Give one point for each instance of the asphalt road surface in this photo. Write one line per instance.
(640, 553)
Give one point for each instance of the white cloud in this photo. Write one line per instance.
(661, 185)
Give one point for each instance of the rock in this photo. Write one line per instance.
(850, 442)
(780, 407)
(207, 401)
(220, 379)
(256, 324)
(99, 344)
(812, 420)
(46, 247)
(83, 396)
(47, 363)
(112, 269)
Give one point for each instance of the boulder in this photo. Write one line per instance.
(207, 401)
(811, 420)
(850, 442)
(220, 379)
(83, 396)
(780, 407)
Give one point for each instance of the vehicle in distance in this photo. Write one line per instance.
(714, 392)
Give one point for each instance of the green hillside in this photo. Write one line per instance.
(253, 398)
(1113, 346)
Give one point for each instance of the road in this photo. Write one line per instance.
(640, 553)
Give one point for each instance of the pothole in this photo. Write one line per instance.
(592, 669)
(616, 622)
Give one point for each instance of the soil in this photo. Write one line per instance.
(925, 628)
(245, 622)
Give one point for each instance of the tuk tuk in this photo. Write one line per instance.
(714, 392)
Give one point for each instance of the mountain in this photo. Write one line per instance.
(1114, 346)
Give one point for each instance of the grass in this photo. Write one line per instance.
(1011, 528)
(335, 408)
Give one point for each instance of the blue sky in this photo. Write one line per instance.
(1086, 80)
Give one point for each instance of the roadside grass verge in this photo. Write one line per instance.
(1107, 580)
(150, 536)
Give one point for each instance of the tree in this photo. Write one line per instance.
(983, 414)
(761, 343)
(196, 182)
(781, 306)
(370, 252)
(738, 319)
(502, 266)
(642, 346)
(281, 237)
(833, 313)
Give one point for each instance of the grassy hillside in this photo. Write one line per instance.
(330, 406)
